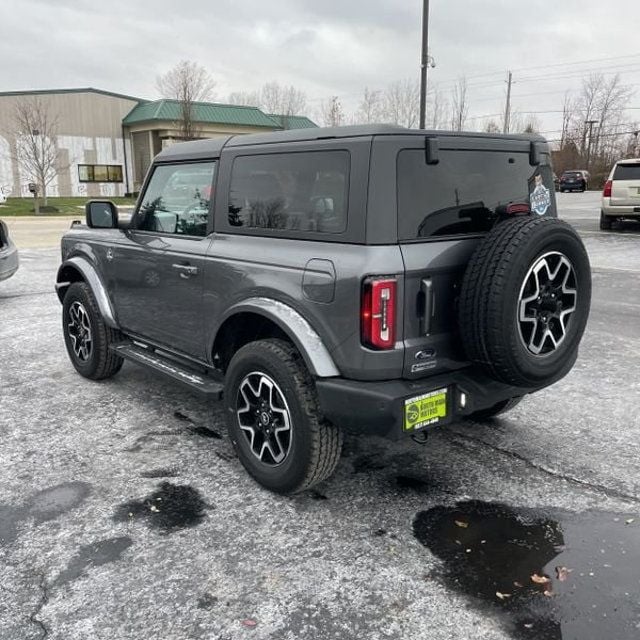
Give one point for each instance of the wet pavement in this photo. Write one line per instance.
(124, 512)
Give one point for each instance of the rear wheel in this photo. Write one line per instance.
(273, 418)
(525, 301)
(86, 335)
(605, 222)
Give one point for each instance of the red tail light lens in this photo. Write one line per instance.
(608, 186)
(518, 208)
(379, 313)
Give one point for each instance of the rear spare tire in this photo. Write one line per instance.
(524, 301)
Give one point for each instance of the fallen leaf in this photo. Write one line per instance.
(461, 524)
(468, 550)
(528, 625)
(249, 623)
(548, 593)
(562, 573)
(518, 584)
(630, 521)
(540, 579)
(154, 508)
(503, 596)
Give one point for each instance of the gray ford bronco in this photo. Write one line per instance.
(374, 280)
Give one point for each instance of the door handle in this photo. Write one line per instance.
(186, 270)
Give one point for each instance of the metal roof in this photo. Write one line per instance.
(38, 92)
(203, 112)
(293, 122)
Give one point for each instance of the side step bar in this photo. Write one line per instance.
(168, 367)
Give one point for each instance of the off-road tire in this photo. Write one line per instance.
(496, 410)
(102, 362)
(490, 292)
(606, 223)
(315, 443)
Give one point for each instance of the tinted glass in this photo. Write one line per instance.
(627, 172)
(572, 175)
(460, 194)
(305, 192)
(177, 199)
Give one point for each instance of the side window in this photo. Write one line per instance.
(304, 191)
(177, 199)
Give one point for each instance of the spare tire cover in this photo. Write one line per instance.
(525, 300)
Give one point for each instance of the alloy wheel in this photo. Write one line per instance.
(79, 330)
(264, 418)
(547, 302)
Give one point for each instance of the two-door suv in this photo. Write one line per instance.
(372, 279)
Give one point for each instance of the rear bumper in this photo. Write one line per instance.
(377, 408)
(631, 211)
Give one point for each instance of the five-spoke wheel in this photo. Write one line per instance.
(548, 299)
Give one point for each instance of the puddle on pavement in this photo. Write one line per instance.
(93, 555)
(588, 564)
(43, 506)
(170, 508)
(54, 501)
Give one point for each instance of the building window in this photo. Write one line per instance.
(100, 172)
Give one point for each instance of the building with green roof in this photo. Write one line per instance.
(106, 140)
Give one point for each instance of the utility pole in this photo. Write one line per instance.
(590, 123)
(424, 63)
(507, 111)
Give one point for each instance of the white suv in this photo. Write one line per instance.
(621, 195)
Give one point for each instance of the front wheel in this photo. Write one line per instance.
(273, 418)
(86, 335)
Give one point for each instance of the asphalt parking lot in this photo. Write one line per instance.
(125, 514)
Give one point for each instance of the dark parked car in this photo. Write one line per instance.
(574, 181)
(9, 260)
(370, 279)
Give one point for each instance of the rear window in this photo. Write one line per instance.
(460, 194)
(305, 192)
(627, 172)
(572, 175)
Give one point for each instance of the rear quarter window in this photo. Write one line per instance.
(460, 194)
(304, 192)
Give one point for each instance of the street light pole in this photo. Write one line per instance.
(425, 63)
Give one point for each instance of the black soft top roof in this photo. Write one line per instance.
(200, 149)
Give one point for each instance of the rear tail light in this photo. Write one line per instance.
(518, 208)
(608, 186)
(378, 314)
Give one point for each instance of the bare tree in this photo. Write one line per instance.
(492, 127)
(459, 105)
(332, 112)
(370, 109)
(437, 105)
(245, 98)
(283, 100)
(35, 130)
(402, 103)
(188, 83)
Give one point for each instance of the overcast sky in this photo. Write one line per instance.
(325, 47)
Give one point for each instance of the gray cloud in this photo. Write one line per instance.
(334, 47)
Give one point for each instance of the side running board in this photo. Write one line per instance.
(198, 382)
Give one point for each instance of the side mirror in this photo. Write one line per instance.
(101, 214)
